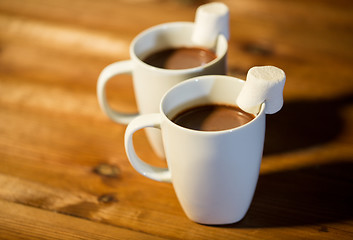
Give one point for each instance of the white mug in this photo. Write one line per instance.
(150, 83)
(214, 173)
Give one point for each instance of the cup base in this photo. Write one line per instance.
(218, 221)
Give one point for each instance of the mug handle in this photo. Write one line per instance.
(145, 169)
(117, 68)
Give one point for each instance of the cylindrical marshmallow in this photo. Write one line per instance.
(211, 20)
(263, 84)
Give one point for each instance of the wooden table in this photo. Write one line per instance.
(63, 170)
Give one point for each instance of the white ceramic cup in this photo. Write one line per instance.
(150, 83)
(214, 173)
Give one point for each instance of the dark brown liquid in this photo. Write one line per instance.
(212, 117)
(180, 58)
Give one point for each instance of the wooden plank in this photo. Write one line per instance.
(24, 222)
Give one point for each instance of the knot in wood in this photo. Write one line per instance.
(107, 170)
(107, 198)
(259, 49)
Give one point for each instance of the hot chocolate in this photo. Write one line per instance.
(212, 117)
(180, 58)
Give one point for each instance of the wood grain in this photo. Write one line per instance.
(63, 169)
(40, 224)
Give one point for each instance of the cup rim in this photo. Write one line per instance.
(158, 27)
(201, 79)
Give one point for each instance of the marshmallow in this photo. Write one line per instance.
(211, 20)
(263, 84)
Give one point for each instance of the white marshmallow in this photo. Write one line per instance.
(211, 20)
(263, 84)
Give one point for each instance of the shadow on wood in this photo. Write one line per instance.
(314, 195)
(303, 124)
